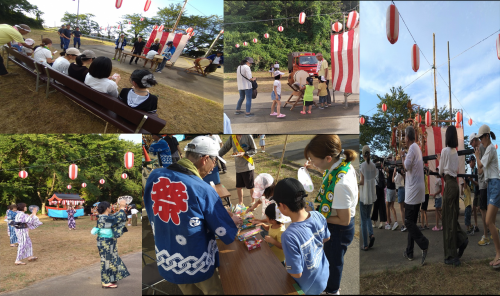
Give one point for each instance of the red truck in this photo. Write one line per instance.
(303, 61)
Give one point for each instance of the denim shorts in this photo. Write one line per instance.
(391, 195)
(401, 195)
(273, 96)
(438, 202)
(494, 192)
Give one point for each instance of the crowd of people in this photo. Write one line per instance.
(311, 247)
(411, 182)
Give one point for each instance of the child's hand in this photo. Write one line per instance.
(269, 239)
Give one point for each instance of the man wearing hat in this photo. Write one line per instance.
(186, 213)
(322, 69)
(217, 60)
(322, 92)
(244, 81)
(167, 55)
(481, 197)
(243, 148)
(303, 240)
(8, 34)
(121, 42)
(62, 63)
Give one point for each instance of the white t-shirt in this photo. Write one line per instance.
(276, 66)
(134, 211)
(414, 182)
(368, 189)
(345, 195)
(242, 82)
(448, 165)
(216, 138)
(277, 83)
(216, 60)
(490, 163)
(41, 55)
(103, 85)
(61, 65)
(437, 188)
(399, 180)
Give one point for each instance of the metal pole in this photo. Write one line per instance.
(77, 12)
(434, 67)
(208, 51)
(282, 156)
(449, 79)
(179, 17)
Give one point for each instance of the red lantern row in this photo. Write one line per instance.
(392, 24)
(67, 202)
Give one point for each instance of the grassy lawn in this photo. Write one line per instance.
(36, 34)
(59, 251)
(471, 278)
(21, 104)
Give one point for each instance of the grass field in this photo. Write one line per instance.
(59, 251)
(36, 34)
(21, 104)
(471, 278)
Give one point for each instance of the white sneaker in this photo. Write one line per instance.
(381, 225)
(373, 224)
(395, 226)
(388, 226)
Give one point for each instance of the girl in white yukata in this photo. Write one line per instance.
(25, 222)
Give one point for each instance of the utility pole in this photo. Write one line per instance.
(434, 67)
(217, 38)
(179, 17)
(449, 80)
(77, 12)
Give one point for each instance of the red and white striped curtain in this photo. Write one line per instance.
(345, 61)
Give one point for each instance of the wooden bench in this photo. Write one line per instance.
(104, 106)
(29, 64)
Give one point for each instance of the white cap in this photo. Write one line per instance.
(205, 146)
(484, 129)
(261, 182)
(472, 137)
(29, 41)
(276, 73)
(323, 78)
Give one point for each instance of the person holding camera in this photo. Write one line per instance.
(244, 80)
(379, 207)
(367, 186)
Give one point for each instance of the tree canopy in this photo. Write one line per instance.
(14, 12)
(83, 20)
(46, 158)
(243, 23)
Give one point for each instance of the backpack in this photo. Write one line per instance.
(381, 179)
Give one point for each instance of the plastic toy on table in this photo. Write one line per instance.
(252, 242)
(249, 233)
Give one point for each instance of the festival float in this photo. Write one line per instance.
(60, 203)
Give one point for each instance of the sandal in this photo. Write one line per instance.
(281, 115)
(273, 114)
(32, 259)
(435, 228)
(20, 263)
(308, 112)
(492, 263)
(302, 112)
(110, 286)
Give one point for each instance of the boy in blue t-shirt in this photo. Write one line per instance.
(303, 240)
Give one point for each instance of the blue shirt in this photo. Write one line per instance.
(185, 214)
(162, 151)
(169, 52)
(303, 247)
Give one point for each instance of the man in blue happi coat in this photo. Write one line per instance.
(162, 151)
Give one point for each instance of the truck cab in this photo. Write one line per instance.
(306, 61)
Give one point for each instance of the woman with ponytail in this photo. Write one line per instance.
(489, 165)
(43, 54)
(368, 197)
(337, 198)
(80, 69)
(138, 97)
(109, 228)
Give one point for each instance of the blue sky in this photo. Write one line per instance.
(106, 12)
(136, 138)
(475, 75)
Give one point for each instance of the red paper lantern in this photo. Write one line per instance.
(160, 28)
(118, 3)
(129, 160)
(428, 118)
(69, 186)
(280, 28)
(84, 185)
(142, 19)
(148, 4)
(362, 120)
(302, 17)
(118, 27)
(418, 118)
(458, 118)
(254, 40)
(337, 27)
(189, 30)
(73, 171)
(384, 108)
(498, 46)
(245, 43)
(237, 45)
(156, 27)
(470, 122)
(23, 174)
(266, 35)
(102, 181)
(496, 146)
(129, 22)
(124, 176)
(353, 19)
(415, 57)
(392, 23)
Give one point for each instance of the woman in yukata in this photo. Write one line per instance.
(109, 228)
(71, 218)
(11, 216)
(24, 223)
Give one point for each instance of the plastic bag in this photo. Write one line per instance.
(305, 179)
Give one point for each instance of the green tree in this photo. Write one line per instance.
(84, 21)
(14, 12)
(376, 132)
(138, 27)
(46, 159)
